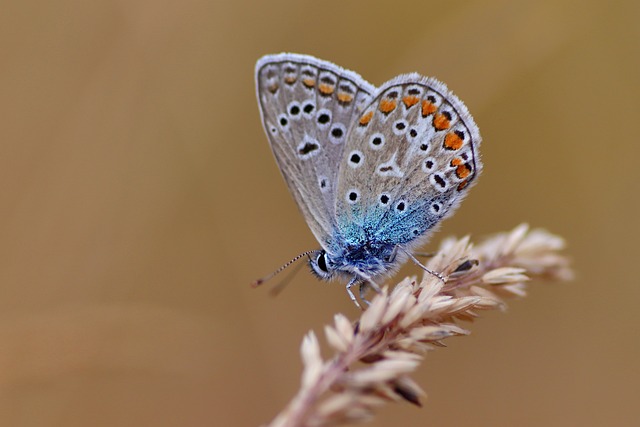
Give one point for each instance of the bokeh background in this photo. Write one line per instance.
(140, 198)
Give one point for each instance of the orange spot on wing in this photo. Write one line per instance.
(309, 82)
(462, 185)
(451, 141)
(456, 162)
(410, 100)
(440, 122)
(345, 97)
(273, 88)
(290, 79)
(463, 171)
(326, 89)
(428, 108)
(366, 118)
(387, 105)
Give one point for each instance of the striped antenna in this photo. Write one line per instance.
(270, 276)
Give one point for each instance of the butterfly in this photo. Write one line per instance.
(373, 170)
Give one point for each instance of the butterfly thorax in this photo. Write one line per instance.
(372, 258)
(364, 257)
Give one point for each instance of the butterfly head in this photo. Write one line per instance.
(321, 265)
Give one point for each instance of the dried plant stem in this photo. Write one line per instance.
(375, 355)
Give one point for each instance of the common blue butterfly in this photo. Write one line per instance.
(373, 170)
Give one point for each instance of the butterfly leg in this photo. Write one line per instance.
(419, 264)
(364, 286)
(352, 282)
(394, 253)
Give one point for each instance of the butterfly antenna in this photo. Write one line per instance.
(419, 264)
(275, 290)
(270, 276)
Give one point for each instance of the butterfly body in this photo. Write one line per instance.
(373, 170)
(362, 255)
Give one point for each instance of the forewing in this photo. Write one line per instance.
(411, 158)
(307, 106)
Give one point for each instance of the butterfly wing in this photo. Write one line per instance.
(411, 158)
(307, 105)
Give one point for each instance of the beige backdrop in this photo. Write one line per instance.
(139, 199)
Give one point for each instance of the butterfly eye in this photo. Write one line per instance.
(320, 265)
(322, 262)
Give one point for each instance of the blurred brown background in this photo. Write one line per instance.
(139, 200)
